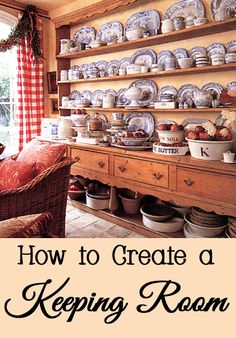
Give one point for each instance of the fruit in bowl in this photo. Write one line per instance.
(170, 133)
(209, 132)
(76, 191)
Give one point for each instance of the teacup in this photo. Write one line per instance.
(228, 157)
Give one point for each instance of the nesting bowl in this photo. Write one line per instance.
(171, 137)
(209, 150)
(157, 212)
(185, 62)
(203, 231)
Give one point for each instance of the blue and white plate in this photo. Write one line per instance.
(216, 48)
(97, 94)
(149, 88)
(161, 57)
(75, 67)
(83, 68)
(87, 94)
(149, 19)
(167, 90)
(121, 99)
(102, 65)
(144, 57)
(215, 87)
(195, 51)
(231, 86)
(84, 34)
(75, 95)
(136, 121)
(219, 8)
(113, 63)
(125, 62)
(186, 8)
(186, 91)
(179, 53)
(231, 46)
(109, 29)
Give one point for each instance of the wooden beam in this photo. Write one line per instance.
(100, 7)
(20, 6)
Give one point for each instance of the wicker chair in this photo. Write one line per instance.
(46, 192)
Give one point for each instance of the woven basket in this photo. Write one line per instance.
(46, 192)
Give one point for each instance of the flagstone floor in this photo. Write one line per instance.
(80, 224)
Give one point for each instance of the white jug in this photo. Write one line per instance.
(108, 101)
(167, 26)
(64, 127)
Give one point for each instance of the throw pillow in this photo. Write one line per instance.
(14, 174)
(44, 154)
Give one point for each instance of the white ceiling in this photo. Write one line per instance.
(47, 5)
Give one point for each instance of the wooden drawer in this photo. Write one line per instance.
(142, 171)
(91, 160)
(209, 185)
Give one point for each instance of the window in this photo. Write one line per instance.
(8, 90)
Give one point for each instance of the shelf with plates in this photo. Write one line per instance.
(184, 34)
(152, 110)
(192, 70)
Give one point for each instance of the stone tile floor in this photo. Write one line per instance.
(80, 224)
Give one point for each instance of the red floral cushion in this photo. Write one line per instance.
(14, 174)
(44, 154)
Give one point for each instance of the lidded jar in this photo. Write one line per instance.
(95, 123)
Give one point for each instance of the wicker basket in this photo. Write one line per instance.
(46, 192)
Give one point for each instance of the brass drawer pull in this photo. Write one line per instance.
(122, 168)
(101, 164)
(158, 176)
(189, 182)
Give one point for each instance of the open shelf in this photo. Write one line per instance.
(192, 70)
(184, 34)
(133, 223)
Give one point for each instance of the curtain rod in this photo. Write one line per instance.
(22, 8)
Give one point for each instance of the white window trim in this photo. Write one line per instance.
(8, 18)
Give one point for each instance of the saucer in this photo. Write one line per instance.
(228, 162)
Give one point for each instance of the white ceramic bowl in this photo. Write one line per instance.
(203, 231)
(170, 137)
(134, 33)
(209, 150)
(171, 225)
(185, 62)
(133, 68)
(168, 150)
(97, 204)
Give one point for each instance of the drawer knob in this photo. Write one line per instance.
(101, 164)
(188, 182)
(122, 168)
(158, 176)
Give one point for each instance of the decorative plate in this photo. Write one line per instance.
(219, 9)
(74, 95)
(144, 57)
(125, 62)
(149, 19)
(231, 46)
(162, 55)
(83, 68)
(144, 121)
(87, 94)
(109, 29)
(215, 87)
(84, 34)
(168, 90)
(102, 65)
(186, 8)
(150, 89)
(216, 48)
(231, 86)
(121, 99)
(146, 145)
(186, 91)
(97, 94)
(193, 52)
(75, 67)
(111, 91)
(191, 123)
(113, 63)
(179, 53)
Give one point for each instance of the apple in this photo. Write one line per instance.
(174, 127)
(199, 129)
(205, 136)
(74, 187)
(163, 126)
(223, 134)
(192, 135)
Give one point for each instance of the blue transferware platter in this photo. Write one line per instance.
(216, 48)
(84, 34)
(144, 121)
(97, 94)
(186, 91)
(161, 57)
(125, 62)
(87, 94)
(109, 29)
(167, 90)
(149, 19)
(191, 123)
(113, 63)
(121, 99)
(193, 52)
(231, 46)
(215, 87)
(144, 57)
(102, 65)
(75, 95)
(219, 8)
(150, 89)
(231, 86)
(186, 8)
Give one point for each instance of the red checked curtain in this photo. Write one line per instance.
(30, 101)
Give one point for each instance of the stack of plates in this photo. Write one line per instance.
(201, 60)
